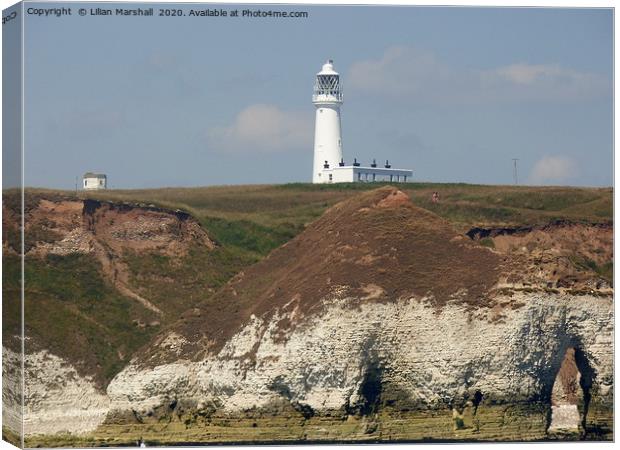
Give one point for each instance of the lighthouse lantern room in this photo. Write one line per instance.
(329, 165)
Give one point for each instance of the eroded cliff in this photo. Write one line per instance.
(378, 322)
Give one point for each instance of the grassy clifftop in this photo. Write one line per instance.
(261, 217)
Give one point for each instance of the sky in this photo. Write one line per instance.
(452, 93)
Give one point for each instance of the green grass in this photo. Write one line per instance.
(11, 298)
(537, 200)
(487, 242)
(176, 284)
(249, 235)
(605, 271)
(258, 218)
(72, 312)
(13, 237)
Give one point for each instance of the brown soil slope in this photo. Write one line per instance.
(558, 255)
(83, 301)
(375, 247)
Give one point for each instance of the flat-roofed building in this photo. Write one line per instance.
(94, 181)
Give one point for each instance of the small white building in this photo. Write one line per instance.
(329, 165)
(93, 181)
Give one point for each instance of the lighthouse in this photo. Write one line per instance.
(329, 165)
(327, 99)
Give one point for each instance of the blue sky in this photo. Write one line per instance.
(452, 93)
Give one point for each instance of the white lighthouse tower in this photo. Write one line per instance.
(327, 99)
(329, 165)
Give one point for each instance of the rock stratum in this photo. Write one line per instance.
(379, 322)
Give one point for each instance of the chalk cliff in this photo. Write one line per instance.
(378, 322)
(415, 355)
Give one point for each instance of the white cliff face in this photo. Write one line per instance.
(11, 390)
(432, 356)
(56, 398)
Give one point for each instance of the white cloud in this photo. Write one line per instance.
(263, 128)
(528, 74)
(400, 71)
(545, 81)
(552, 170)
(409, 72)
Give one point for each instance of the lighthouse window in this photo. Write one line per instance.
(327, 84)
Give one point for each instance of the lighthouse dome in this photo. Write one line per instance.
(328, 68)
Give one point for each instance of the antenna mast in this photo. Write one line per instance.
(515, 171)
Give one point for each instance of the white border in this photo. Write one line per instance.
(476, 3)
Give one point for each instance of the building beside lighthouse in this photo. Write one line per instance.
(94, 181)
(329, 164)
